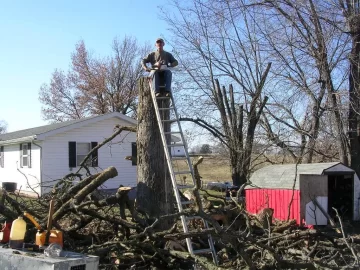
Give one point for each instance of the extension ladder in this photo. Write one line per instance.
(169, 158)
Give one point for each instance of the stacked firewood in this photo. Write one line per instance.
(111, 227)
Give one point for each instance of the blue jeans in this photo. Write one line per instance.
(156, 80)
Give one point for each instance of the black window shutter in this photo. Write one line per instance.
(21, 155)
(29, 155)
(94, 157)
(2, 156)
(72, 154)
(134, 154)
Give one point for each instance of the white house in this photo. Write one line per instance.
(36, 158)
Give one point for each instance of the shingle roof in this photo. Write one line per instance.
(39, 130)
(283, 176)
(43, 129)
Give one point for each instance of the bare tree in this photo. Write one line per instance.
(351, 13)
(214, 44)
(95, 85)
(61, 101)
(309, 53)
(3, 126)
(330, 33)
(308, 43)
(240, 141)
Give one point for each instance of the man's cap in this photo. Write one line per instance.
(160, 39)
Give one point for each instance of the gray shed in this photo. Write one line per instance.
(331, 184)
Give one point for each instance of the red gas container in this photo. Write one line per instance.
(5, 233)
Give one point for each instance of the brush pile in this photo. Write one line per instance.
(111, 227)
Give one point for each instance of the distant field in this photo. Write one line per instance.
(211, 169)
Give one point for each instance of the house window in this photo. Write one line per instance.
(82, 149)
(25, 155)
(1, 156)
(79, 150)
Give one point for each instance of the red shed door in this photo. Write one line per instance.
(313, 187)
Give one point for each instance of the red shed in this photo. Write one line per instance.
(331, 184)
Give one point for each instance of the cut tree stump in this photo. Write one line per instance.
(154, 191)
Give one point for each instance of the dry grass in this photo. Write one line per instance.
(217, 168)
(211, 169)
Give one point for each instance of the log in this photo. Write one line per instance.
(265, 217)
(284, 226)
(110, 172)
(91, 222)
(90, 187)
(123, 201)
(75, 189)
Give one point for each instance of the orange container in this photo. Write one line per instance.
(56, 236)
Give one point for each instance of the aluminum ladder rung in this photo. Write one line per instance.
(201, 251)
(182, 172)
(193, 217)
(159, 98)
(185, 186)
(169, 120)
(176, 144)
(178, 158)
(187, 202)
(176, 186)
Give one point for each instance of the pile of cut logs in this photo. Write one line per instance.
(112, 228)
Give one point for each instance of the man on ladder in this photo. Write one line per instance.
(165, 115)
(160, 60)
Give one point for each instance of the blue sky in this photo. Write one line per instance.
(38, 36)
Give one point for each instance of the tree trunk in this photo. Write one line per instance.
(311, 143)
(321, 56)
(235, 167)
(354, 89)
(154, 193)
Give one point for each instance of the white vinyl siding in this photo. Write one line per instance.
(56, 153)
(27, 179)
(2, 156)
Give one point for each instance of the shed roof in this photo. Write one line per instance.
(283, 176)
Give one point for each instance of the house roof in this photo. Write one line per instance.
(43, 130)
(283, 176)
